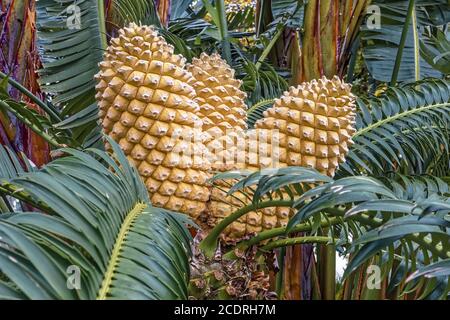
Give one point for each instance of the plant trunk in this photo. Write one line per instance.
(164, 7)
(331, 27)
(19, 59)
(298, 263)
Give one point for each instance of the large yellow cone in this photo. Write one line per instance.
(147, 105)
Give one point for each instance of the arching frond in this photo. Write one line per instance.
(122, 12)
(255, 112)
(363, 216)
(100, 237)
(405, 130)
(72, 38)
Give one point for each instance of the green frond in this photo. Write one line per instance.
(437, 269)
(436, 51)
(363, 215)
(241, 19)
(72, 38)
(139, 11)
(406, 130)
(29, 117)
(391, 215)
(269, 183)
(286, 14)
(255, 112)
(98, 222)
(381, 43)
(260, 83)
(10, 166)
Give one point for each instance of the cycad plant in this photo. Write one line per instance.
(124, 211)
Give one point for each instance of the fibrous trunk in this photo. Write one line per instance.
(19, 60)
